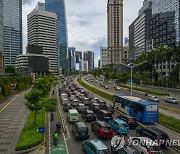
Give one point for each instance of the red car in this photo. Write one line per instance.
(101, 129)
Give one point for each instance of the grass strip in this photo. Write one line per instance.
(169, 122)
(94, 90)
(29, 137)
(145, 90)
(169, 109)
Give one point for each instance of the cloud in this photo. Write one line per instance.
(87, 22)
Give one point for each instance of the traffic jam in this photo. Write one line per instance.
(95, 125)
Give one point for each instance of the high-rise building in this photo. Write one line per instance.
(12, 22)
(42, 31)
(78, 56)
(58, 7)
(103, 56)
(1, 27)
(165, 23)
(139, 30)
(71, 58)
(40, 6)
(115, 30)
(1, 64)
(89, 56)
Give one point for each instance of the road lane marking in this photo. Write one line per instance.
(9, 103)
(66, 144)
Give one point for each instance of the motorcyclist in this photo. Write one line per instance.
(52, 115)
(55, 137)
(58, 126)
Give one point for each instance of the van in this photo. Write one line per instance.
(73, 115)
(63, 96)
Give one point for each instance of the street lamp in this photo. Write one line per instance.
(131, 65)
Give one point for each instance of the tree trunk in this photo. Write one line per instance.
(35, 116)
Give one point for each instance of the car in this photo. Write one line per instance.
(152, 133)
(171, 100)
(130, 120)
(106, 87)
(144, 145)
(101, 129)
(153, 98)
(75, 103)
(107, 107)
(89, 115)
(95, 147)
(117, 88)
(92, 80)
(94, 107)
(86, 101)
(95, 81)
(80, 130)
(125, 150)
(119, 126)
(104, 115)
(102, 84)
(80, 108)
(73, 115)
(64, 101)
(87, 79)
(96, 100)
(66, 107)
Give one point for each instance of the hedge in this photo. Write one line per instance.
(29, 137)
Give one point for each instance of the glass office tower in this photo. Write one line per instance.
(1, 26)
(58, 7)
(171, 7)
(12, 20)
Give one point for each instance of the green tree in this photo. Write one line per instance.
(10, 69)
(50, 105)
(34, 103)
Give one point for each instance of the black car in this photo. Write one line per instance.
(66, 107)
(104, 115)
(89, 115)
(94, 107)
(153, 133)
(75, 103)
(107, 107)
(80, 108)
(80, 130)
(131, 121)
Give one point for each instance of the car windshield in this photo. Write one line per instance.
(108, 115)
(173, 99)
(105, 128)
(155, 97)
(83, 129)
(106, 151)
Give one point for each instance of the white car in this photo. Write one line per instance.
(106, 87)
(153, 98)
(143, 145)
(171, 100)
(117, 88)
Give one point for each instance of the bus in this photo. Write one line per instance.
(144, 111)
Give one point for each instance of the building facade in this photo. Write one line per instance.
(125, 55)
(40, 6)
(103, 56)
(33, 63)
(1, 64)
(71, 58)
(12, 22)
(42, 31)
(115, 30)
(1, 27)
(139, 31)
(78, 56)
(89, 56)
(58, 7)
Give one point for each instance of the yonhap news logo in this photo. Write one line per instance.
(117, 142)
(144, 141)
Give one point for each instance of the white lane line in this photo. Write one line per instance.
(9, 103)
(65, 144)
(49, 136)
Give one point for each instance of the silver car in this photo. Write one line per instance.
(171, 100)
(153, 98)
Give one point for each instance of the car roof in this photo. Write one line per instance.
(119, 121)
(73, 111)
(86, 98)
(102, 123)
(98, 144)
(105, 111)
(89, 111)
(80, 124)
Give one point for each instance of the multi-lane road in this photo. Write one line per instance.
(75, 147)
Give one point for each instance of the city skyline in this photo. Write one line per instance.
(87, 31)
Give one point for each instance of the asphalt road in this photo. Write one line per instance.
(75, 147)
(134, 93)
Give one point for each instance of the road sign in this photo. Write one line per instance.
(40, 130)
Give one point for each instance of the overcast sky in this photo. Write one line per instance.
(86, 22)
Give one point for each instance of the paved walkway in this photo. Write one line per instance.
(12, 117)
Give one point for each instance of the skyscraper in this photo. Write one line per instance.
(78, 56)
(139, 30)
(12, 21)
(103, 56)
(1, 27)
(89, 56)
(115, 30)
(42, 31)
(71, 58)
(58, 7)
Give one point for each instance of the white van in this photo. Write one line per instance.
(63, 96)
(73, 115)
